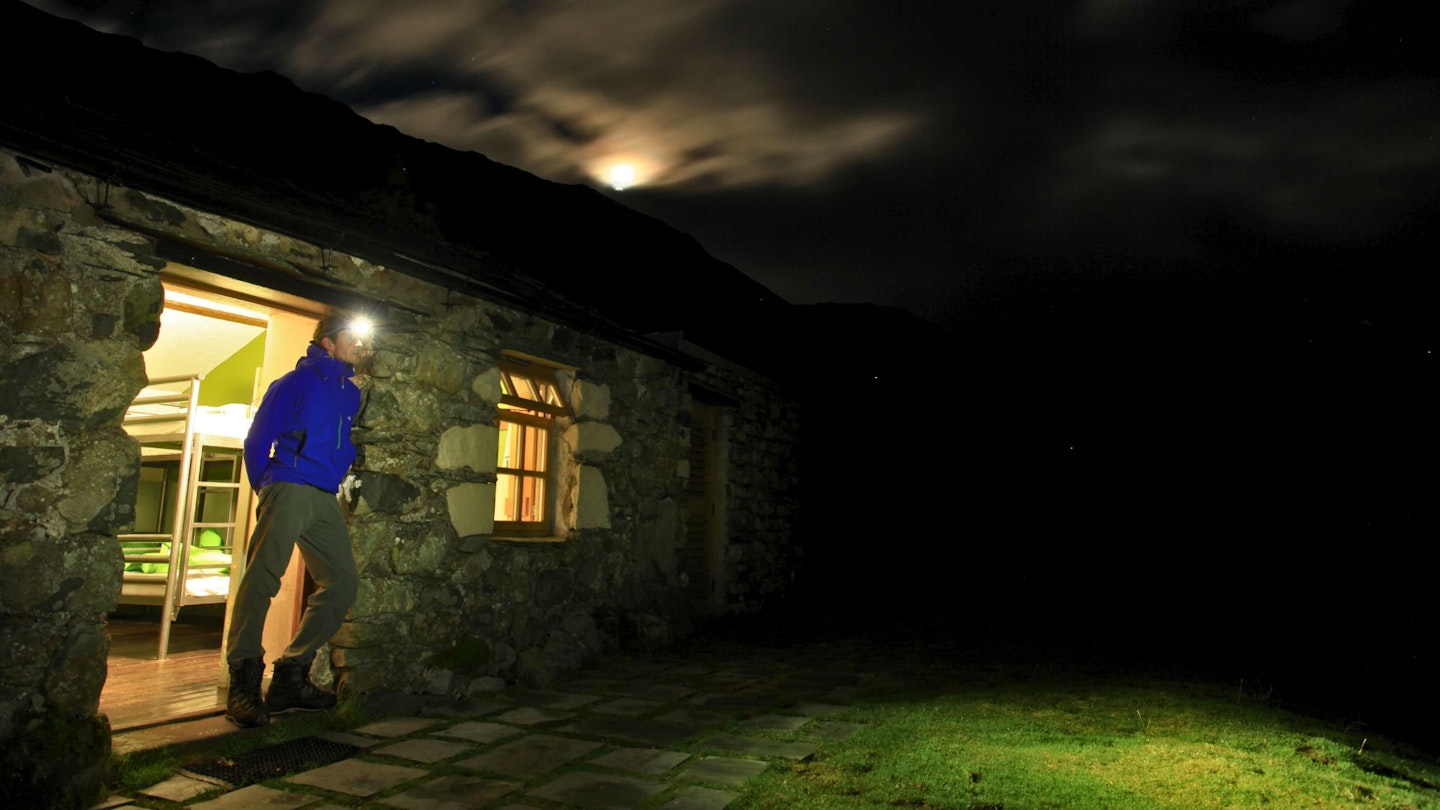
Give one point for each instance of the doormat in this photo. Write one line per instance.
(281, 759)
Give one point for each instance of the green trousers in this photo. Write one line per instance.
(289, 514)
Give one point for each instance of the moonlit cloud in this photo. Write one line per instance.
(592, 83)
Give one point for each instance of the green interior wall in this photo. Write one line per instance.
(234, 379)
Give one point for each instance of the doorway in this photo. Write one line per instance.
(701, 555)
(218, 351)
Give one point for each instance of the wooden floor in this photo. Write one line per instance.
(141, 690)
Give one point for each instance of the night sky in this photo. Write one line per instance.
(1187, 250)
(932, 156)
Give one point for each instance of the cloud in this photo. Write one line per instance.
(670, 87)
(1335, 171)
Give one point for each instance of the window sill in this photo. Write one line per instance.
(529, 539)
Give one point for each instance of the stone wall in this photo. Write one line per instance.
(445, 606)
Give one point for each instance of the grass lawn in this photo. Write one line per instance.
(984, 715)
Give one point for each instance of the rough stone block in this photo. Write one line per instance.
(590, 400)
(487, 386)
(475, 446)
(420, 555)
(592, 439)
(592, 507)
(471, 508)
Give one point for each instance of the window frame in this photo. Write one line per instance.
(526, 413)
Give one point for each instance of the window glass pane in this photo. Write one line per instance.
(506, 506)
(535, 385)
(509, 454)
(525, 388)
(532, 498)
(535, 448)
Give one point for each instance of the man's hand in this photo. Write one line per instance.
(348, 487)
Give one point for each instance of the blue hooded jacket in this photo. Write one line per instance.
(301, 431)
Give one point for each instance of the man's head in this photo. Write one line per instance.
(345, 337)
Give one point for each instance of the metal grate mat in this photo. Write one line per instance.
(270, 762)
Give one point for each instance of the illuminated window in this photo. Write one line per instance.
(524, 470)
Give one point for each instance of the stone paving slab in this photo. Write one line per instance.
(628, 707)
(752, 670)
(629, 669)
(815, 709)
(532, 716)
(825, 677)
(794, 688)
(641, 760)
(256, 797)
(346, 738)
(425, 751)
(780, 722)
(397, 726)
(728, 771)
(769, 690)
(584, 789)
(693, 717)
(695, 797)
(722, 682)
(645, 732)
(530, 756)
(178, 788)
(664, 692)
(722, 700)
(453, 792)
(835, 729)
(354, 777)
(764, 748)
(466, 708)
(597, 686)
(478, 731)
(690, 669)
(560, 701)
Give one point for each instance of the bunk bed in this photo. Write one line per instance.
(193, 457)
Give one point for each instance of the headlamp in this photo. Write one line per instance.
(360, 327)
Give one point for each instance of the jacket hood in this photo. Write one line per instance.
(317, 358)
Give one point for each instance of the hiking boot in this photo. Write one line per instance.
(243, 705)
(291, 689)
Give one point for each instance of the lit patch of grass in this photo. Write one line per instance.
(1033, 743)
(143, 768)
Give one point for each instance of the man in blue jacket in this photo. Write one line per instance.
(297, 453)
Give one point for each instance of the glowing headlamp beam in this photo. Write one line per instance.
(360, 327)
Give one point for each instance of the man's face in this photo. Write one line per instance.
(347, 347)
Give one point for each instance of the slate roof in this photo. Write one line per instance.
(256, 148)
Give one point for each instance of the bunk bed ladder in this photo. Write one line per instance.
(199, 486)
(179, 534)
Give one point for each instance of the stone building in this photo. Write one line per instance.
(130, 179)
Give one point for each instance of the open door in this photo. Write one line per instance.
(217, 352)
